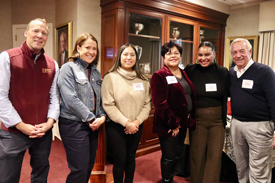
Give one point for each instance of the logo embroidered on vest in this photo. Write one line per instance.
(46, 70)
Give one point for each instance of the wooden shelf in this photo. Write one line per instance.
(145, 36)
(185, 41)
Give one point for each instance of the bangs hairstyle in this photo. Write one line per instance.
(79, 42)
(207, 44)
(167, 48)
(248, 45)
(135, 68)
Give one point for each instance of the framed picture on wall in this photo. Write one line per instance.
(253, 41)
(63, 42)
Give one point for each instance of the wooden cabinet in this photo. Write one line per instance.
(149, 24)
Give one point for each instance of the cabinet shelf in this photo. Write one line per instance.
(185, 41)
(145, 36)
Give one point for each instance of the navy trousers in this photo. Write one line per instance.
(80, 144)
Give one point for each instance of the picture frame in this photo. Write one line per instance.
(63, 42)
(253, 41)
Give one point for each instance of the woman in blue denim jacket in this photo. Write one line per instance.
(81, 112)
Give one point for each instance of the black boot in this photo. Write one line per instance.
(167, 170)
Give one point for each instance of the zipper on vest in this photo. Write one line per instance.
(36, 57)
(35, 86)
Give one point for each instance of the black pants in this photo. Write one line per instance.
(12, 150)
(80, 144)
(123, 148)
(171, 148)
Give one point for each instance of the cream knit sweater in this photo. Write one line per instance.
(125, 97)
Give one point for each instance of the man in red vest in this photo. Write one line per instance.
(29, 105)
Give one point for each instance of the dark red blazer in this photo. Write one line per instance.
(170, 103)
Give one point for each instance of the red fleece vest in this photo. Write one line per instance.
(30, 85)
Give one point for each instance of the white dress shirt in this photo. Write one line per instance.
(242, 71)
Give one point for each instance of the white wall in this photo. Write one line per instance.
(89, 19)
(267, 16)
(212, 4)
(243, 22)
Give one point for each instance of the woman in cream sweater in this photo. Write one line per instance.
(126, 100)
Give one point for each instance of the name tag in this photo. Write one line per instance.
(80, 75)
(248, 84)
(171, 79)
(210, 87)
(44, 70)
(138, 86)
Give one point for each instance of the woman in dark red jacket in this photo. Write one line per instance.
(173, 97)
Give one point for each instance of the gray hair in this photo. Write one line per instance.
(248, 45)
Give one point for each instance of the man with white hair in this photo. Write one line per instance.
(252, 90)
(63, 55)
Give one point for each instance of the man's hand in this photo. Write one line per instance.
(36, 131)
(42, 128)
(27, 129)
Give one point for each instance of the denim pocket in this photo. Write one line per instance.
(81, 81)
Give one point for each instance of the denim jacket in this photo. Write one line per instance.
(77, 93)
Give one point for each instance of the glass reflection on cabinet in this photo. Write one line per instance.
(211, 35)
(145, 33)
(183, 34)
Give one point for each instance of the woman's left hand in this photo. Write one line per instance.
(175, 132)
(97, 123)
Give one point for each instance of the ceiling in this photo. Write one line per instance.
(239, 2)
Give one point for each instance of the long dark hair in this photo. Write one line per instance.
(136, 67)
(79, 42)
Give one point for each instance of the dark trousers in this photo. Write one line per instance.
(80, 144)
(12, 149)
(171, 148)
(123, 148)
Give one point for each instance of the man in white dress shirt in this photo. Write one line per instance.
(29, 105)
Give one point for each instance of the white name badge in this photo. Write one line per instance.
(171, 79)
(80, 75)
(138, 86)
(248, 84)
(210, 87)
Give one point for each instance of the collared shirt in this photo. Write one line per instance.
(8, 115)
(242, 71)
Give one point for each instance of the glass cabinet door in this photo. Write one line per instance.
(145, 33)
(207, 34)
(183, 34)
